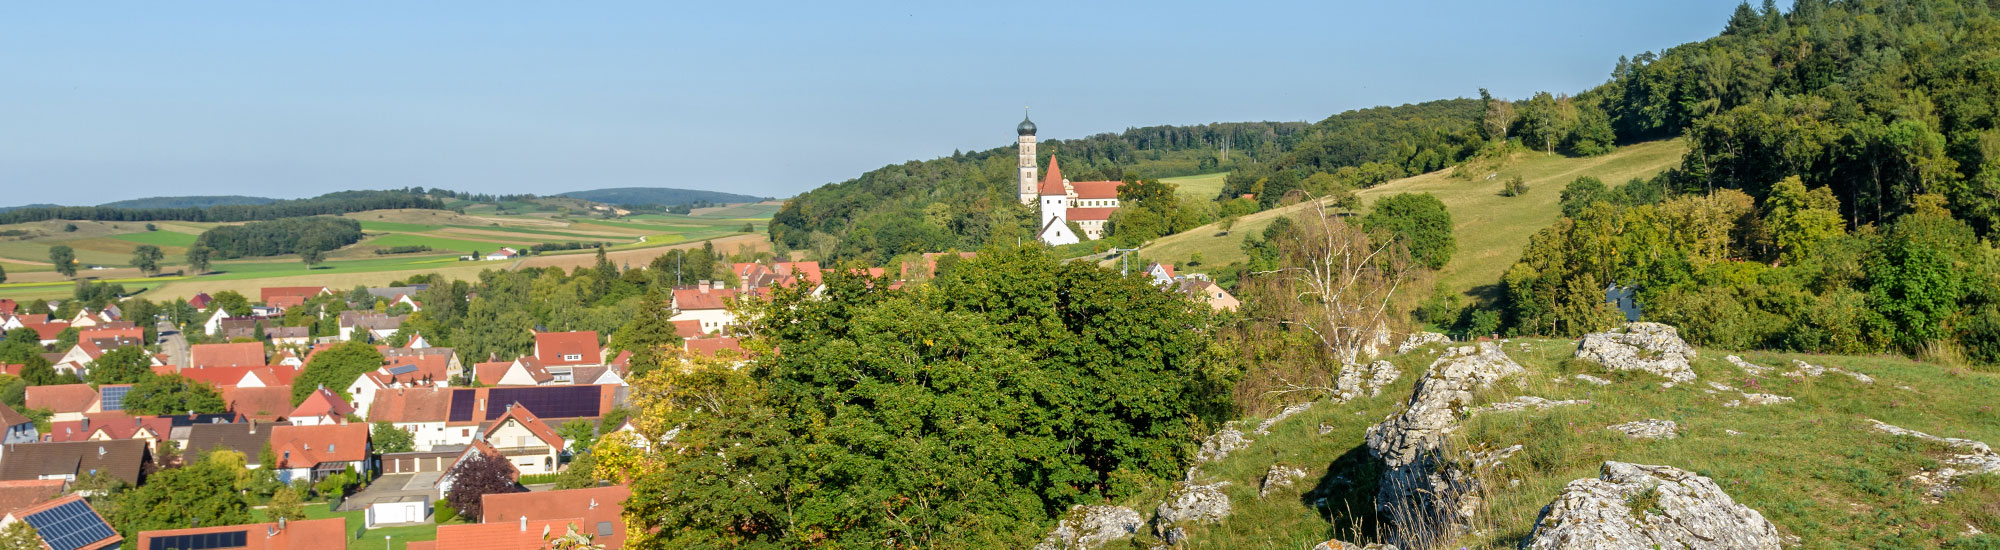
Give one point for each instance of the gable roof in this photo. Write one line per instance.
(472, 406)
(122, 459)
(112, 330)
(70, 523)
(711, 347)
(702, 298)
(114, 426)
(265, 403)
(11, 417)
(552, 347)
(301, 292)
(218, 377)
(244, 354)
(527, 420)
(502, 536)
(243, 437)
(305, 534)
(48, 331)
(61, 398)
(322, 402)
(1091, 214)
(1096, 189)
(592, 506)
(423, 404)
(314, 445)
(22, 493)
(688, 329)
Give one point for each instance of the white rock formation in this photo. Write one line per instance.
(1810, 370)
(1644, 507)
(1593, 380)
(1264, 428)
(1650, 347)
(1089, 527)
(1525, 402)
(1193, 503)
(1224, 441)
(1969, 458)
(1425, 495)
(1420, 339)
(1278, 477)
(1749, 367)
(1647, 429)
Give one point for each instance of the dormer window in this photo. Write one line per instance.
(572, 357)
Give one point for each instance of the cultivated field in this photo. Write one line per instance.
(108, 246)
(1200, 188)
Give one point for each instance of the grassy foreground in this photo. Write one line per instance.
(1813, 467)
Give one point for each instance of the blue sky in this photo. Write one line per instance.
(102, 101)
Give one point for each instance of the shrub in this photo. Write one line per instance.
(441, 512)
(1515, 187)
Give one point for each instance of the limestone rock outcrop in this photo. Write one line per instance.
(1649, 347)
(1427, 496)
(1264, 428)
(1355, 380)
(1644, 507)
(1648, 429)
(1525, 402)
(1420, 339)
(1749, 367)
(1218, 446)
(1192, 503)
(1969, 458)
(1805, 369)
(1089, 527)
(1278, 477)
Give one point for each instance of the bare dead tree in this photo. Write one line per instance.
(1339, 283)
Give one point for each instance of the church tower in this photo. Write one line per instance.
(1027, 145)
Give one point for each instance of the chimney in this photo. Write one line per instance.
(718, 285)
(524, 523)
(281, 524)
(702, 285)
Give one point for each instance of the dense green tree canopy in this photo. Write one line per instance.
(1420, 221)
(167, 394)
(335, 369)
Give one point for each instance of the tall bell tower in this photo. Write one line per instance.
(1027, 185)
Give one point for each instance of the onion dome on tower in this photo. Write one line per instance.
(1027, 127)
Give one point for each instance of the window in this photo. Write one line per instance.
(572, 357)
(604, 528)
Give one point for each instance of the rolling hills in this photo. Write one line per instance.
(662, 196)
(193, 201)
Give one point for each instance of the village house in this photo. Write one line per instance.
(314, 452)
(406, 371)
(287, 297)
(524, 371)
(504, 253)
(20, 428)
(321, 408)
(422, 413)
(248, 438)
(242, 354)
(449, 474)
(527, 442)
(65, 402)
(267, 404)
(113, 427)
(372, 325)
(1206, 291)
(706, 303)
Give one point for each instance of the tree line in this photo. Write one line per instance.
(329, 204)
(308, 235)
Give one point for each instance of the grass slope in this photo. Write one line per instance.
(1491, 229)
(1202, 187)
(1813, 467)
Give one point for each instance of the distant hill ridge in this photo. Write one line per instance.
(192, 201)
(663, 196)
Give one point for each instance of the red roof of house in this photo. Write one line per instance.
(688, 329)
(504, 536)
(1096, 189)
(1052, 184)
(111, 331)
(218, 377)
(490, 374)
(552, 347)
(18, 494)
(322, 402)
(276, 375)
(429, 404)
(10, 417)
(62, 398)
(107, 542)
(305, 534)
(592, 506)
(287, 301)
(303, 293)
(244, 354)
(8, 305)
(199, 301)
(521, 414)
(314, 445)
(33, 318)
(266, 403)
(710, 347)
(114, 425)
(1091, 214)
(48, 331)
(691, 299)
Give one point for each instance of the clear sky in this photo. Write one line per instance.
(102, 101)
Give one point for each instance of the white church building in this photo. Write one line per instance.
(1061, 201)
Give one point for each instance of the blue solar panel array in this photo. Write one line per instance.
(204, 541)
(546, 401)
(402, 370)
(114, 397)
(461, 404)
(69, 526)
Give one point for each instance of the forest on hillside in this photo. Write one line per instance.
(336, 203)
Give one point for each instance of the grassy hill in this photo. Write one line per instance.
(1491, 229)
(1814, 467)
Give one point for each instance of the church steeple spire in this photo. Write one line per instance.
(1025, 186)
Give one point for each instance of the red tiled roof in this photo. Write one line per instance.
(8, 305)
(114, 425)
(61, 398)
(551, 347)
(244, 354)
(314, 445)
(276, 375)
(11, 417)
(489, 373)
(688, 329)
(1096, 189)
(305, 534)
(266, 403)
(691, 299)
(34, 318)
(592, 505)
(301, 292)
(411, 405)
(503, 536)
(1090, 214)
(48, 331)
(322, 402)
(199, 301)
(15, 495)
(218, 377)
(710, 347)
(106, 331)
(1052, 184)
(527, 419)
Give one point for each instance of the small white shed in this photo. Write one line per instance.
(403, 509)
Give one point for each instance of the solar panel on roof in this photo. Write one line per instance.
(461, 405)
(69, 526)
(546, 401)
(204, 541)
(114, 397)
(405, 369)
